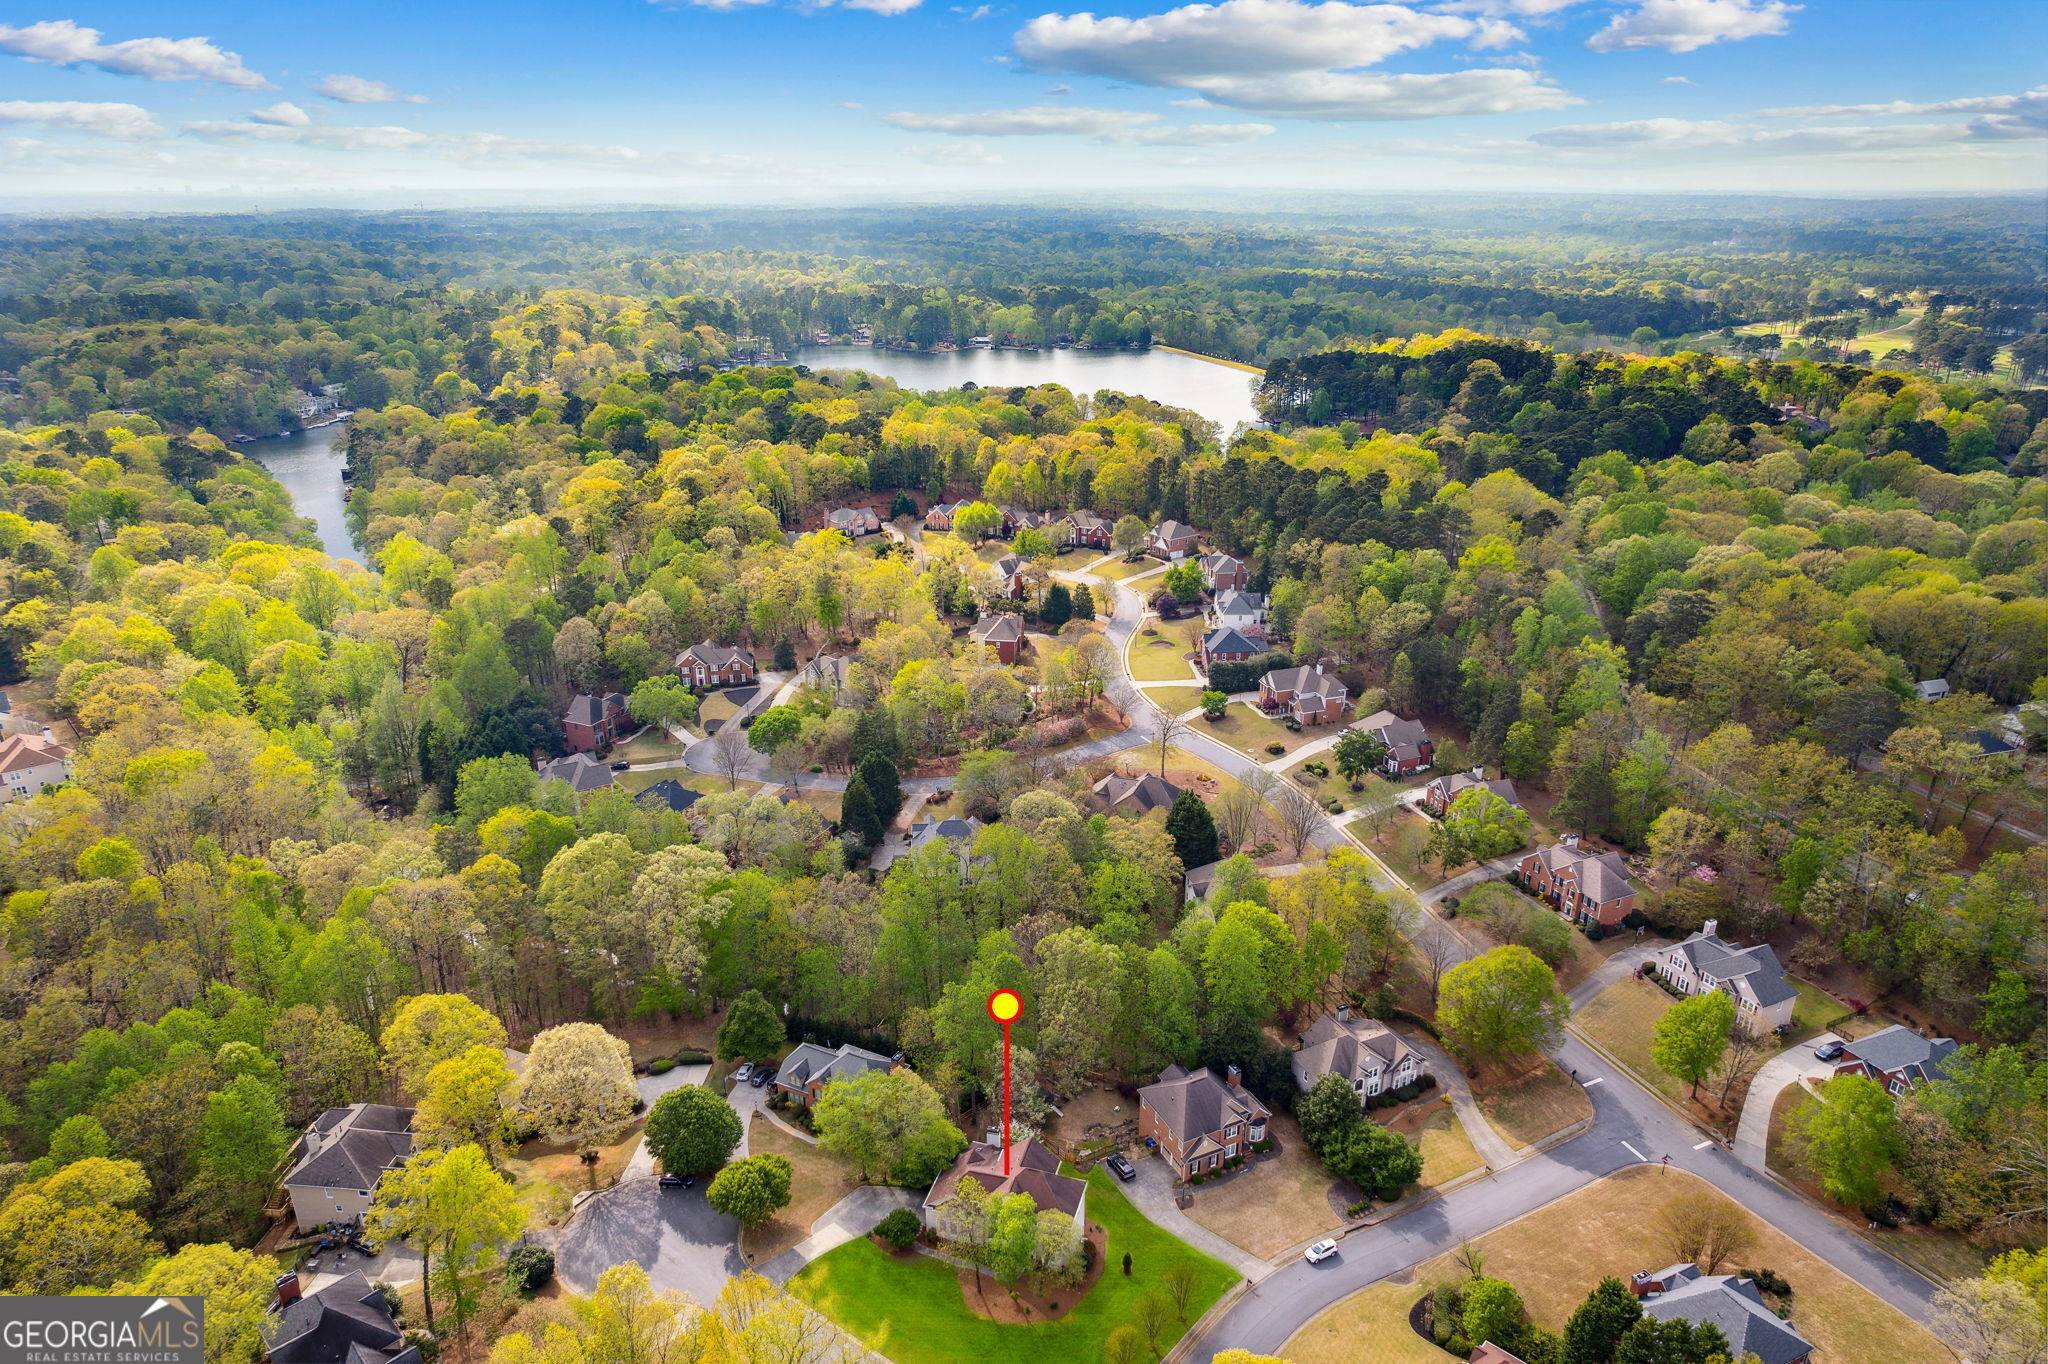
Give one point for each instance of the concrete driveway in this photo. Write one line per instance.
(1152, 1193)
(673, 1233)
(1795, 1063)
(853, 1215)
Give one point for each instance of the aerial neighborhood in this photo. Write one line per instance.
(1083, 780)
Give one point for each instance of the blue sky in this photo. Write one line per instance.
(1247, 102)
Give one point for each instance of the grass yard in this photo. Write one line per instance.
(910, 1308)
(1244, 728)
(702, 783)
(826, 803)
(1369, 1327)
(1447, 1152)
(1175, 700)
(1162, 657)
(1619, 1020)
(1816, 1011)
(1402, 845)
(547, 1176)
(1941, 1256)
(1075, 559)
(1279, 1203)
(819, 1181)
(1612, 1228)
(1527, 1106)
(649, 745)
(1118, 569)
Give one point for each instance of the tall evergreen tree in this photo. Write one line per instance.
(857, 813)
(1193, 832)
(885, 787)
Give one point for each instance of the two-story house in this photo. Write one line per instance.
(853, 521)
(1441, 794)
(347, 1322)
(1365, 1051)
(594, 722)
(1896, 1057)
(1732, 1303)
(1172, 541)
(708, 665)
(1409, 747)
(1117, 794)
(1751, 976)
(1003, 632)
(1224, 572)
(939, 516)
(1086, 528)
(335, 1168)
(1198, 1121)
(1228, 644)
(1583, 886)
(1034, 1171)
(1241, 611)
(1308, 694)
(805, 1072)
(580, 770)
(28, 764)
(1009, 574)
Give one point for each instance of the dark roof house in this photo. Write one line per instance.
(347, 1322)
(1734, 1305)
(670, 793)
(580, 770)
(1141, 795)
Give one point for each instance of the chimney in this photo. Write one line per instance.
(1479, 774)
(1707, 928)
(1233, 1075)
(1571, 840)
(1343, 1013)
(287, 1289)
(1319, 670)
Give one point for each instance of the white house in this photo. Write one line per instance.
(1241, 611)
(1751, 976)
(28, 764)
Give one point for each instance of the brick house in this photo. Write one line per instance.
(1751, 976)
(1366, 1052)
(1034, 1170)
(805, 1072)
(1409, 747)
(853, 521)
(1441, 794)
(1199, 1121)
(1225, 573)
(1229, 644)
(1086, 528)
(940, 515)
(1138, 796)
(1310, 695)
(1896, 1057)
(1172, 541)
(1584, 886)
(1003, 632)
(594, 722)
(714, 665)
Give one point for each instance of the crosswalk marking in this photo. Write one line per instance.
(1637, 1154)
(1704, 1145)
(1596, 1080)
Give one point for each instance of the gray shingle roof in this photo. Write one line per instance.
(1734, 1305)
(1304, 681)
(812, 1062)
(1140, 794)
(590, 710)
(1236, 603)
(580, 770)
(1332, 1047)
(1399, 734)
(346, 1322)
(1193, 1104)
(670, 793)
(350, 1148)
(1713, 955)
(1230, 640)
(998, 629)
(1900, 1050)
(1458, 783)
(713, 655)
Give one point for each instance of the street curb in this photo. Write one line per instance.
(1727, 1142)
(1192, 1337)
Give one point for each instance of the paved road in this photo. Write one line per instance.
(1629, 1127)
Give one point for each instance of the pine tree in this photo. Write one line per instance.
(879, 775)
(857, 813)
(1192, 830)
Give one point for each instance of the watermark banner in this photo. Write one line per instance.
(138, 1330)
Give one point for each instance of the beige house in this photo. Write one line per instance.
(338, 1162)
(1365, 1051)
(28, 764)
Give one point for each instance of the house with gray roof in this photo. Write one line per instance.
(1439, 795)
(1584, 886)
(337, 1163)
(1239, 610)
(347, 1322)
(1118, 794)
(668, 794)
(1172, 541)
(1366, 1052)
(580, 770)
(806, 1071)
(1932, 689)
(1003, 632)
(1310, 695)
(1896, 1057)
(1228, 644)
(1751, 976)
(710, 664)
(1409, 747)
(1199, 1120)
(853, 521)
(1731, 1303)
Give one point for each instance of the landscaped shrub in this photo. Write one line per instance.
(528, 1268)
(899, 1228)
(1770, 1281)
(1359, 1209)
(1276, 749)
(661, 1065)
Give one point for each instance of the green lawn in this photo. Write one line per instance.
(1815, 1012)
(1162, 657)
(1404, 845)
(1117, 569)
(1175, 700)
(1619, 1020)
(911, 1308)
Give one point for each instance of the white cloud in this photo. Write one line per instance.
(1645, 132)
(1688, 25)
(1680, 134)
(1678, 80)
(953, 153)
(60, 42)
(107, 120)
(1115, 126)
(2032, 101)
(363, 90)
(1292, 58)
(283, 114)
(975, 15)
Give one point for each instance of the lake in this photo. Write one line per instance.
(1219, 392)
(309, 466)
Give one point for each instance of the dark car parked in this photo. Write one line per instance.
(1121, 1168)
(677, 1181)
(762, 1075)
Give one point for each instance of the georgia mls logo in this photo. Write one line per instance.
(102, 1330)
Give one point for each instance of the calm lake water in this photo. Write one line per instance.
(309, 466)
(1218, 392)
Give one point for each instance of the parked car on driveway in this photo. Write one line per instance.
(669, 1181)
(744, 1073)
(762, 1075)
(1320, 1251)
(1828, 1050)
(1122, 1168)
